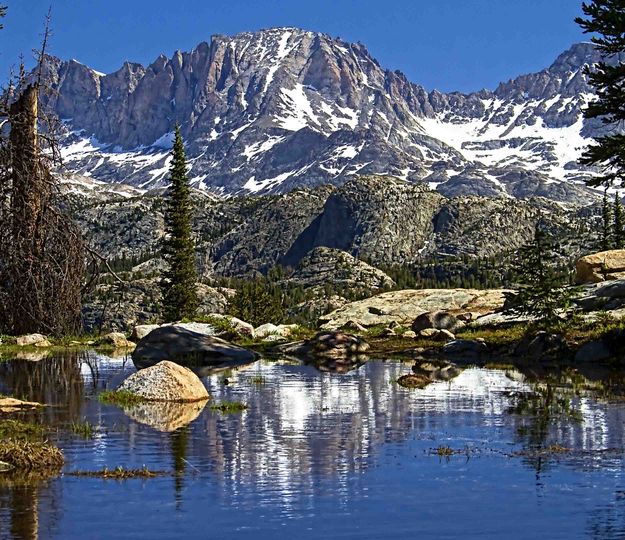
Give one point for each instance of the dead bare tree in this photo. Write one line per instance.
(42, 254)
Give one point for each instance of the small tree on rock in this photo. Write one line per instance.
(178, 285)
(542, 291)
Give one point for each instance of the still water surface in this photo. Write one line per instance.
(317, 455)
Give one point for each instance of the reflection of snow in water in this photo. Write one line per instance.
(302, 424)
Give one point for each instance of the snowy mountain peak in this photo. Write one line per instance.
(284, 108)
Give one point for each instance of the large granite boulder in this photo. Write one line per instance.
(165, 381)
(405, 306)
(602, 266)
(189, 348)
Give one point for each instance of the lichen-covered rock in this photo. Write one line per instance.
(329, 351)
(281, 331)
(602, 266)
(32, 340)
(165, 381)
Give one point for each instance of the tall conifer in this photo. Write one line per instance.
(179, 281)
(606, 233)
(619, 223)
(606, 19)
(542, 290)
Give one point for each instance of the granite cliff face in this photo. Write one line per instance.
(280, 109)
(381, 220)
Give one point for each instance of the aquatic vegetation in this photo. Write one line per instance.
(121, 398)
(229, 407)
(14, 429)
(444, 451)
(23, 454)
(84, 429)
(414, 380)
(258, 380)
(119, 473)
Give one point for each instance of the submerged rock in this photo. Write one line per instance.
(189, 348)
(10, 405)
(465, 349)
(414, 380)
(166, 381)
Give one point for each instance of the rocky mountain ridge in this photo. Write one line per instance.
(283, 108)
(381, 220)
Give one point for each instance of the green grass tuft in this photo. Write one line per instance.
(121, 398)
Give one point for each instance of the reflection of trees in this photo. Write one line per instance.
(179, 449)
(20, 505)
(57, 382)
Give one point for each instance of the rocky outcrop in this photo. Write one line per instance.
(165, 381)
(381, 220)
(122, 306)
(405, 306)
(185, 347)
(324, 266)
(602, 266)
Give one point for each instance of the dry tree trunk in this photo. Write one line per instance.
(41, 250)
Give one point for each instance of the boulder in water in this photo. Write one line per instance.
(166, 381)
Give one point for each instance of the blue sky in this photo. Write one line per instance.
(460, 45)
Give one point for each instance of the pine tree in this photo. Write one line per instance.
(258, 303)
(606, 233)
(619, 223)
(178, 249)
(542, 292)
(607, 19)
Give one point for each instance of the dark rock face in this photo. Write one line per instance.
(189, 349)
(283, 108)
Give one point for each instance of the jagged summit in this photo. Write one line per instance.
(281, 108)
